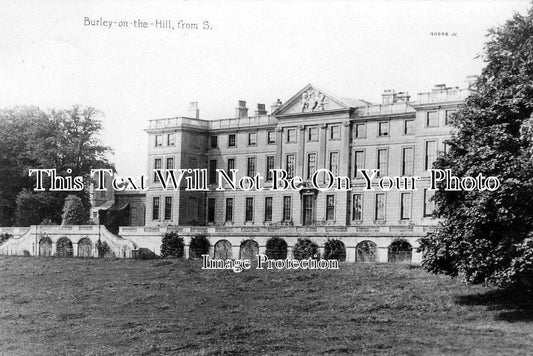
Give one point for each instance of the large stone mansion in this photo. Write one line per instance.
(313, 130)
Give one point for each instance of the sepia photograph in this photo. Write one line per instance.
(296, 177)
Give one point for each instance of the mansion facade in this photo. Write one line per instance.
(312, 130)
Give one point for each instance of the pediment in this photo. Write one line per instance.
(310, 100)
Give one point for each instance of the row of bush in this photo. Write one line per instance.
(276, 248)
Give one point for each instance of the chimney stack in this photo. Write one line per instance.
(260, 110)
(470, 80)
(241, 110)
(389, 97)
(439, 87)
(194, 112)
(403, 96)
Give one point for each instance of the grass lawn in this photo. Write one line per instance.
(122, 307)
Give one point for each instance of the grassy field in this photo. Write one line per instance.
(113, 307)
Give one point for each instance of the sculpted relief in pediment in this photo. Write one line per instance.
(313, 100)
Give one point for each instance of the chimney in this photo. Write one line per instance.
(193, 112)
(403, 96)
(260, 110)
(470, 80)
(389, 97)
(276, 105)
(241, 110)
(439, 87)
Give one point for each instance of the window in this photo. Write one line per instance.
(380, 207)
(429, 204)
(286, 208)
(171, 139)
(290, 165)
(157, 165)
(408, 127)
(231, 165)
(168, 208)
(291, 135)
(251, 166)
(214, 141)
(335, 132)
(268, 208)
(447, 118)
(158, 140)
(311, 164)
(229, 209)
(407, 161)
(431, 154)
(249, 209)
(231, 140)
(211, 210)
(213, 171)
(383, 128)
(405, 206)
(312, 134)
(334, 162)
(359, 162)
(330, 207)
(252, 138)
(432, 119)
(271, 137)
(357, 207)
(382, 162)
(155, 208)
(359, 131)
(170, 162)
(269, 166)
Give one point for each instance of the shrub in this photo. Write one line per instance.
(305, 248)
(144, 254)
(335, 249)
(172, 245)
(5, 237)
(276, 248)
(103, 250)
(199, 246)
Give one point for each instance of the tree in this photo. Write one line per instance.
(30, 138)
(486, 236)
(33, 208)
(74, 212)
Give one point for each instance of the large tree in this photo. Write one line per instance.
(67, 140)
(487, 236)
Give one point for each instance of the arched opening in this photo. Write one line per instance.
(64, 248)
(249, 250)
(85, 248)
(400, 251)
(335, 250)
(198, 246)
(276, 248)
(366, 251)
(223, 250)
(45, 246)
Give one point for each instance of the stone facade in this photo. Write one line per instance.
(312, 130)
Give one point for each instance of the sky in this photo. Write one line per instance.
(52, 56)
